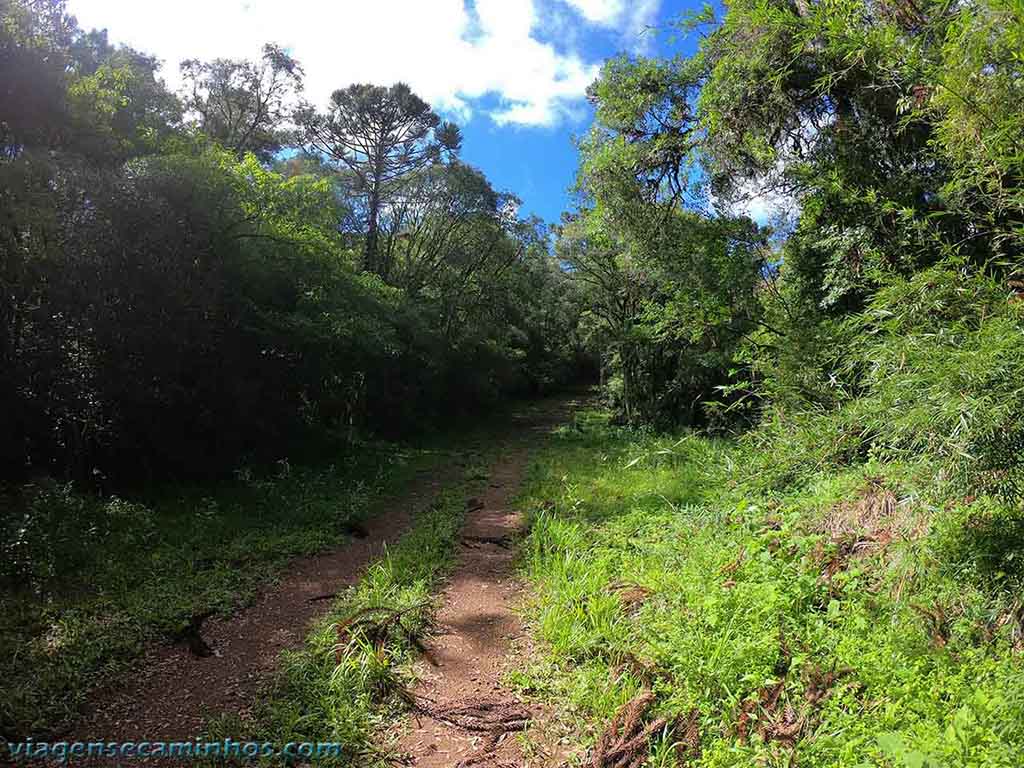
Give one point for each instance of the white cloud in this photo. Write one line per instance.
(605, 12)
(450, 52)
(760, 199)
(630, 17)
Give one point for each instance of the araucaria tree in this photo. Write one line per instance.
(177, 294)
(381, 136)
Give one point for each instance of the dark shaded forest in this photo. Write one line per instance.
(199, 280)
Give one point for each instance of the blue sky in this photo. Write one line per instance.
(539, 163)
(512, 73)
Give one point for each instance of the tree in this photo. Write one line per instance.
(381, 135)
(121, 109)
(35, 59)
(243, 104)
(614, 288)
(672, 283)
(442, 212)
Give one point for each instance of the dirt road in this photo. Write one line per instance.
(467, 717)
(173, 692)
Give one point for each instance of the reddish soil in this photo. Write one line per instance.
(173, 692)
(475, 642)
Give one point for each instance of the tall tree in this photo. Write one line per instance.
(244, 104)
(442, 214)
(381, 135)
(35, 43)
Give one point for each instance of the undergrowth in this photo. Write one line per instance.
(90, 582)
(867, 615)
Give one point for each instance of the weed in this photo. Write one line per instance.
(826, 622)
(352, 675)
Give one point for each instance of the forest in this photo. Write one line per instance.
(767, 476)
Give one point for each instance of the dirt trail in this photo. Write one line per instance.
(174, 691)
(467, 718)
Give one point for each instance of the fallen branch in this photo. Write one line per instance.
(477, 715)
(317, 598)
(377, 624)
(495, 718)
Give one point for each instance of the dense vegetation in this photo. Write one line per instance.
(892, 133)
(111, 577)
(802, 525)
(853, 619)
(190, 283)
(223, 285)
(839, 582)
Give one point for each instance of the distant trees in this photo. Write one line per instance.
(893, 133)
(381, 135)
(34, 58)
(671, 284)
(443, 216)
(244, 105)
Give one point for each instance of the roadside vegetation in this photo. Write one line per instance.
(353, 676)
(862, 616)
(106, 578)
(799, 539)
(215, 306)
(795, 533)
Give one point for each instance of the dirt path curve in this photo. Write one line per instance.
(173, 691)
(467, 718)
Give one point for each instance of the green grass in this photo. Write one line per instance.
(347, 688)
(924, 633)
(100, 579)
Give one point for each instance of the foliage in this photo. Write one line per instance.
(181, 298)
(885, 316)
(244, 105)
(670, 318)
(381, 136)
(825, 625)
(174, 302)
(929, 371)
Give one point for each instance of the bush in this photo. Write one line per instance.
(930, 370)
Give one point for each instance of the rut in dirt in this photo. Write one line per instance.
(463, 716)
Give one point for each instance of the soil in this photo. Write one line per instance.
(477, 636)
(173, 691)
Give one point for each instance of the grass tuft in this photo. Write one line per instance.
(353, 677)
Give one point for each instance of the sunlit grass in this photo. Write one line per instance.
(735, 601)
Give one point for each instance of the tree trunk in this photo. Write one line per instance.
(370, 259)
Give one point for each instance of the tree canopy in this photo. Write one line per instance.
(381, 136)
(245, 106)
(191, 281)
